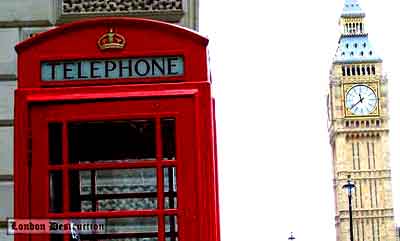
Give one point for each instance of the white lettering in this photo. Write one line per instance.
(145, 67)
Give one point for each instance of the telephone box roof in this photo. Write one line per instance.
(184, 32)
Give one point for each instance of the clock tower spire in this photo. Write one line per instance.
(359, 133)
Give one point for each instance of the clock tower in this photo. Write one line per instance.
(359, 133)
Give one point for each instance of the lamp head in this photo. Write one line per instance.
(349, 185)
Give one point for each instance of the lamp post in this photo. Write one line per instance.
(291, 238)
(349, 187)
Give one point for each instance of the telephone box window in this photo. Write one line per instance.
(56, 237)
(119, 239)
(55, 192)
(170, 187)
(171, 228)
(55, 143)
(113, 189)
(168, 138)
(111, 141)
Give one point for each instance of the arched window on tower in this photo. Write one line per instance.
(361, 28)
(363, 70)
(368, 70)
(373, 69)
(348, 71)
(357, 28)
(353, 70)
(358, 70)
(343, 71)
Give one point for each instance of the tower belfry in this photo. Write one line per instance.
(359, 132)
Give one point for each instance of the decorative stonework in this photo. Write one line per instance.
(165, 10)
(99, 6)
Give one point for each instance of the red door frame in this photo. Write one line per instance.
(202, 215)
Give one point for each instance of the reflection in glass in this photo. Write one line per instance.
(86, 206)
(56, 237)
(168, 138)
(127, 204)
(55, 143)
(111, 141)
(132, 228)
(113, 189)
(170, 187)
(132, 225)
(55, 192)
(171, 228)
(81, 190)
(128, 180)
(97, 238)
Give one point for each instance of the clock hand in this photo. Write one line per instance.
(361, 98)
(360, 101)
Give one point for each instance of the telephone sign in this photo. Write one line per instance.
(163, 66)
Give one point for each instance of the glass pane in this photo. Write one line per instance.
(113, 189)
(55, 143)
(97, 238)
(132, 228)
(81, 196)
(170, 187)
(127, 204)
(132, 225)
(170, 203)
(126, 180)
(171, 228)
(111, 141)
(86, 178)
(168, 138)
(57, 237)
(55, 192)
(86, 206)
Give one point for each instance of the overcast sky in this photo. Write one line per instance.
(270, 63)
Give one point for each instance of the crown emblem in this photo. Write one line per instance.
(111, 40)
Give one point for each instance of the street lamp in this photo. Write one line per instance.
(349, 187)
(291, 238)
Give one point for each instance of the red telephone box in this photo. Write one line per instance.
(114, 125)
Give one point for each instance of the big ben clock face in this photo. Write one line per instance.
(361, 100)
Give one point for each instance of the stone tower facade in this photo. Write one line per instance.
(359, 133)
